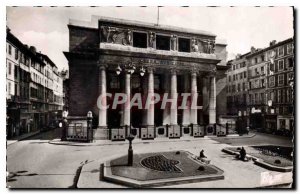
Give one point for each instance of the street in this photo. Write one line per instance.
(34, 163)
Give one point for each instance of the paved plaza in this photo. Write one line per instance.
(41, 162)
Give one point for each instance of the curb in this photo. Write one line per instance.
(109, 142)
(235, 137)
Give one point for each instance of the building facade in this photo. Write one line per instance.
(28, 85)
(237, 85)
(269, 96)
(118, 56)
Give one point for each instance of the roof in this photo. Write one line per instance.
(14, 40)
(46, 58)
(96, 19)
(271, 47)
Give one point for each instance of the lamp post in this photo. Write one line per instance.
(89, 126)
(130, 138)
(65, 124)
(240, 123)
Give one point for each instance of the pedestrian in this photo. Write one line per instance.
(243, 154)
(202, 154)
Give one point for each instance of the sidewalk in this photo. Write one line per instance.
(21, 137)
(140, 141)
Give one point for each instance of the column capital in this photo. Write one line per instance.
(150, 69)
(173, 71)
(101, 66)
(194, 71)
(213, 72)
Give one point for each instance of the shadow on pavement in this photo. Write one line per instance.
(45, 135)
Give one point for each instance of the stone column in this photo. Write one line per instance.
(150, 110)
(212, 100)
(186, 106)
(102, 132)
(194, 98)
(205, 97)
(126, 110)
(102, 87)
(166, 113)
(173, 109)
(144, 97)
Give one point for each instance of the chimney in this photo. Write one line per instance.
(32, 49)
(253, 49)
(273, 42)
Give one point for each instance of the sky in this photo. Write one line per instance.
(241, 27)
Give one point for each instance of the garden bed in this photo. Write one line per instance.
(277, 158)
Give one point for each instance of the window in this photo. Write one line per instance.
(233, 77)
(241, 75)
(244, 86)
(9, 88)
(290, 63)
(233, 67)
(256, 60)
(271, 81)
(280, 51)
(280, 80)
(262, 98)
(162, 42)
(139, 39)
(9, 68)
(238, 87)
(256, 98)
(263, 58)
(16, 90)
(184, 45)
(17, 54)
(257, 83)
(262, 82)
(16, 72)
(280, 65)
(290, 76)
(262, 70)
(245, 74)
(279, 96)
(282, 123)
(250, 99)
(271, 67)
(9, 49)
(272, 96)
(288, 95)
(289, 48)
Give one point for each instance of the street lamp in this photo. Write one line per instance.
(130, 68)
(130, 138)
(118, 70)
(89, 126)
(142, 71)
(64, 125)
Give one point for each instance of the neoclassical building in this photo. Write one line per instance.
(113, 56)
